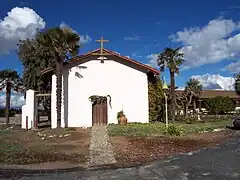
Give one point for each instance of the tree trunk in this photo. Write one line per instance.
(186, 111)
(194, 106)
(173, 95)
(59, 65)
(8, 98)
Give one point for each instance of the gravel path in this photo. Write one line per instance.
(216, 163)
(101, 150)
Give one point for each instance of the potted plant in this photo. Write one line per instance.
(121, 118)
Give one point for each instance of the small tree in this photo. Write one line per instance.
(184, 100)
(9, 80)
(155, 96)
(220, 105)
(194, 86)
(237, 83)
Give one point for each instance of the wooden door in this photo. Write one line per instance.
(99, 113)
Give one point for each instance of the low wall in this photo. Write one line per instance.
(216, 117)
(13, 120)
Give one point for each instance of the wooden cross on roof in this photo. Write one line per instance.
(101, 41)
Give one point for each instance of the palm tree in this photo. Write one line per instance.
(194, 86)
(171, 59)
(237, 83)
(9, 80)
(63, 43)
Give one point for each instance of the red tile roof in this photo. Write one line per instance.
(214, 93)
(82, 57)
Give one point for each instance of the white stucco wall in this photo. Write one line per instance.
(127, 87)
(28, 110)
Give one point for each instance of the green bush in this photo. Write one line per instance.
(173, 130)
(155, 96)
(216, 118)
(190, 119)
(220, 105)
(237, 83)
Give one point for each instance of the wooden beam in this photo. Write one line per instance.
(47, 94)
(99, 54)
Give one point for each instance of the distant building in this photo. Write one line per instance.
(206, 94)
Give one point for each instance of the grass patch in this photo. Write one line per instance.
(158, 129)
(200, 127)
(136, 129)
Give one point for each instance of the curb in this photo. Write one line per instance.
(8, 173)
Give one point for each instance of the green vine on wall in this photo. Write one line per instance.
(95, 99)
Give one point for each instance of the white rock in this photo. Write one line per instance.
(43, 138)
(39, 134)
(218, 129)
(66, 135)
(61, 136)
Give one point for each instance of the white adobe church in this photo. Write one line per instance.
(124, 80)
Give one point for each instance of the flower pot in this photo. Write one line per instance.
(123, 120)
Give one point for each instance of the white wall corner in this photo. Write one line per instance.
(53, 103)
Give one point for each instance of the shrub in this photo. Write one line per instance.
(120, 114)
(69, 129)
(121, 117)
(216, 118)
(220, 105)
(173, 130)
(155, 96)
(237, 83)
(190, 119)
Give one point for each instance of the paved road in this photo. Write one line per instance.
(220, 162)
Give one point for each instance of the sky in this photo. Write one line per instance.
(207, 30)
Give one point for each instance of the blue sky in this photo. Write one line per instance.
(209, 31)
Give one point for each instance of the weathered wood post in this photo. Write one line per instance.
(27, 123)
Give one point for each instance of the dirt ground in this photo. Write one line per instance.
(19, 146)
(133, 150)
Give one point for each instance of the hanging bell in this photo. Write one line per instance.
(165, 86)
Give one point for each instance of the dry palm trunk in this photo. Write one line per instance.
(194, 106)
(173, 96)
(8, 98)
(59, 66)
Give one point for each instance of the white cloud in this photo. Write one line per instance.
(17, 100)
(133, 38)
(19, 24)
(181, 88)
(233, 67)
(83, 38)
(215, 81)
(216, 41)
(152, 58)
(134, 54)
